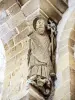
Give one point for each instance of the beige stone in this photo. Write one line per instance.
(59, 5)
(9, 35)
(6, 47)
(66, 34)
(6, 3)
(71, 42)
(71, 61)
(59, 94)
(30, 7)
(21, 58)
(48, 9)
(63, 63)
(14, 9)
(72, 73)
(71, 51)
(21, 36)
(4, 29)
(67, 97)
(12, 52)
(16, 20)
(63, 51)
(33, 94)
(23, 1)
(62, 43)
(11, 43)
(69, 25)
(66, 74)
(11, 65)
(22, 26)
(25, 43)
(72, 35)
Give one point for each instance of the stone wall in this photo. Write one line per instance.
(13, 32)
(65, 57)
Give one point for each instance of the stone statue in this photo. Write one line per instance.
(39, 62)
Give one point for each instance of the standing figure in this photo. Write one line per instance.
(39, 62)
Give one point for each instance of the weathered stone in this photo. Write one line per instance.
(3, 16)
(48, 9)
(21, 36)
(14, 9)
(6, 47)
(63, 51)
(23, 1)
(72, 73)
(72, 34)
(59, 94)
(71, 42)
(12, 52)
(25, 43)
(59, 4)
(69, 25)
(4, 29)
(66, 34)
(11, 65)
(9, 35)
(63, 62)
(22, 26)
(62, 44)
(66, 74)
(32, 16)
(30, 7)
(59, 80)
(71, 61)
(67, 97)
(33, 94)
(6, 3)
(11, 43)
(21, 58)
(16, 20)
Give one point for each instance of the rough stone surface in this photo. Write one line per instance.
(16, 20)
(14, 9)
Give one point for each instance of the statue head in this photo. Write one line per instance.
(39, 25)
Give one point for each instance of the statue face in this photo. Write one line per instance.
(40, 26)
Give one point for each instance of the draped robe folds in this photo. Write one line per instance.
(40, 63)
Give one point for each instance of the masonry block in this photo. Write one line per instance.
(16, 20)
(63, 63)
(63, 51)
(30, 7)
(9, 35)
(21, 36)
(14, 9)
(62, 44)
(66, 74)
(11, 43)
(21, 27)
(6, 47)
(66, 34)
(6, 3)
(12, 52)
(4, 29)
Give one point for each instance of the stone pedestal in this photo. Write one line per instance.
(32, 94)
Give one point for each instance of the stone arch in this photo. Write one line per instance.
(2, 67)
(65, 55)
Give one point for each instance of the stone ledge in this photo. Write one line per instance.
(32, 94)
